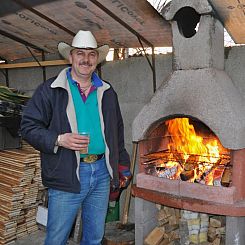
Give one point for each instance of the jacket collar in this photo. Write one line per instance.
(96, 81)
(61, 81)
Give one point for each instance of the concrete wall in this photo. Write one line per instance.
(234, 66)
(132, 79)
(27, 79)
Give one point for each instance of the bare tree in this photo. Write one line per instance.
(159, 4)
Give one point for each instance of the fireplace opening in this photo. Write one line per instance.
(186, 149)
(187, 19)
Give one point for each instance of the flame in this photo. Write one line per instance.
(188, 144)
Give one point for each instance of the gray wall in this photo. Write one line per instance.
(27, 79)
(234, 66)
(132, 79)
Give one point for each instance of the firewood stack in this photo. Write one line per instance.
(177, 227)
(167, 231)
(216, 230)
(20, 183)
(197, 226)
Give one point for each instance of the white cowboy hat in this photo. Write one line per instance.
(83, 40)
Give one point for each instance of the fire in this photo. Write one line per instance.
(191, 157)
(186, 142)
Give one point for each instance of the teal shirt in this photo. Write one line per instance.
(88, 119)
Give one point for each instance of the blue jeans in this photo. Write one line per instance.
(93, 197)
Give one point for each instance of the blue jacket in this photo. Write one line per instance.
(51, 112)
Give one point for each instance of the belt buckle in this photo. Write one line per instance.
(90, 158)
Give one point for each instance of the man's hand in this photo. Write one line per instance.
(73, 141)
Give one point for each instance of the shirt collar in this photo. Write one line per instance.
(96, 81)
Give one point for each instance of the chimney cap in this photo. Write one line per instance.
(200, 6)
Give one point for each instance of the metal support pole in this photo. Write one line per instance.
(6, 73)
(152, 64)
(44, 68)
(7, 77)
(138, 35)
(154, 71)
(33, 56)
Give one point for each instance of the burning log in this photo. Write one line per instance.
(178, 157)
(164, 164)
(217, 176)
(151, 170)
(187, 175)
(226, 177)
(188, 172)
(155, 155)
(168, 173)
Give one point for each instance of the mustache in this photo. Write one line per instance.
(85, 63)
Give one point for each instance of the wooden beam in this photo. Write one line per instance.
(34, 64)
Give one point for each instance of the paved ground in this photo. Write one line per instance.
(112, 233)
(36, 238)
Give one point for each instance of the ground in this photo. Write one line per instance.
(36, 238)
(114, 231)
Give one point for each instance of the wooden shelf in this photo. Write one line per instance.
(34, 64)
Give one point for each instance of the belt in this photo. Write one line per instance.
(91, 158)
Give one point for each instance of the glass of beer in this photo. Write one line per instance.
(84, 150)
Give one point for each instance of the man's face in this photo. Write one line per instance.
(84, 62)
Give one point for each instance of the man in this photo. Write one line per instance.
(77, 101)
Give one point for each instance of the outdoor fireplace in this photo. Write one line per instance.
(189, 153)
(189, 168)
(198, 91)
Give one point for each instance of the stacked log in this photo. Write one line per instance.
(20, 184)
(177, 227)
(167, 231)
(197, 226)
(216, 230)
(37, 177)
